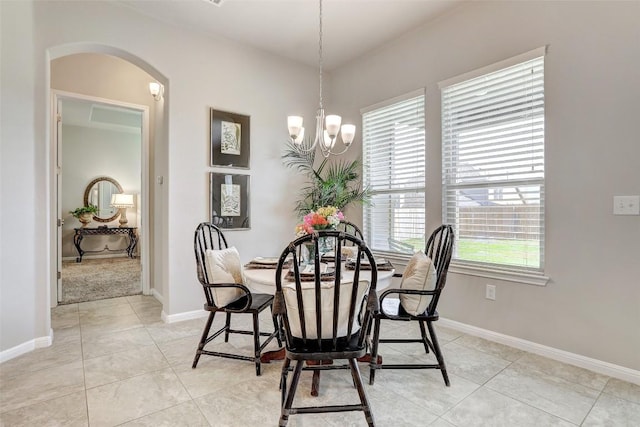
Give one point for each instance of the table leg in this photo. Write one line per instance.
(77, 239)
(133, 241)
(268, 356)
(315, 383)
(367, 359)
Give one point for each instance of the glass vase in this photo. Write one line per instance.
(325, 245)
(310, 251)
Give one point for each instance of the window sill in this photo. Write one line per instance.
(537, 279)
(398, 260)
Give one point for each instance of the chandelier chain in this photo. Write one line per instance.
(324, 138)
(320, 53)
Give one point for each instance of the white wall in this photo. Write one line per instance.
(200, 73)
(23, 234)
(591, 306)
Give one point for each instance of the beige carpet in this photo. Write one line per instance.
(95, 279)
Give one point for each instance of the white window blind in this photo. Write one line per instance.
(394, 171)
(493, 166)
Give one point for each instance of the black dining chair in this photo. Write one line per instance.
(350, 228)
(439, 249)
(323, 319)
(224, 293)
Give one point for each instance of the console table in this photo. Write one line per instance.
(130, 233)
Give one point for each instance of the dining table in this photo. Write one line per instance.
(260, 277)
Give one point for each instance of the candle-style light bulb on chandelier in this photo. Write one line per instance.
(327, 127)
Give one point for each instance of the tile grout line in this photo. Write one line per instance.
(535, 407)
(486, 387)
(191, 398)
(458, 404)
(601, 392)
(186, 389)
(480, 386)
(118, 380)
(84, 372)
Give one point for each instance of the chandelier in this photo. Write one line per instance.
(327, 127)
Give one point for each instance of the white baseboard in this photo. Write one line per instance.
(26, 347)
(595, 365)
(179, 317)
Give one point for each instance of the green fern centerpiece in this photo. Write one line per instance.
(330, 184)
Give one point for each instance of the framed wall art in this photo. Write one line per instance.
(230, 144)
(229, 200)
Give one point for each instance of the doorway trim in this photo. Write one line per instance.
(144, 242)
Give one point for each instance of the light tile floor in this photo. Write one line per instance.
(114, 362)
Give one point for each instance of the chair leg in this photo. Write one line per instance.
(276, 327)
(290, 394)
(283, 377)
(374, 352)
(227, 325)
(368, 334)
(357, 379)
(205, 335)
(436, 349)
(256, 341)
(425, 340)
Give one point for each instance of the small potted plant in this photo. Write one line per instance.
(85, 214)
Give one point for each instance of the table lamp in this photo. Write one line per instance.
(122, 201)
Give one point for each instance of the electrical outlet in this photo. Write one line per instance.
(490, 292)
(626, 205)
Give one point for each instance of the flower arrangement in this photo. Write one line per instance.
(326, 217)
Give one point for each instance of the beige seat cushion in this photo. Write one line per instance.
(309, 304)
(419, 274)
(223, 266)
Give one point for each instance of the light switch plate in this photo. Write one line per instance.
(490, 292)
(626, 205)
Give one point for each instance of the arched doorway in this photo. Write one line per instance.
(153, 163)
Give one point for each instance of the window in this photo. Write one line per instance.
(493, 164)
(394, 170)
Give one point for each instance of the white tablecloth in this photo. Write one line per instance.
(263, 280)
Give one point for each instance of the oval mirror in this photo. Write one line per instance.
(99, 192)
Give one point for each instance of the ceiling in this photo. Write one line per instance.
(84, 113)
(290, 28)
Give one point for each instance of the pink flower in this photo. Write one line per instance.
(323, 218)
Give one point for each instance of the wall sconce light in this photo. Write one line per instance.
(122, 202)
(156, 90)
